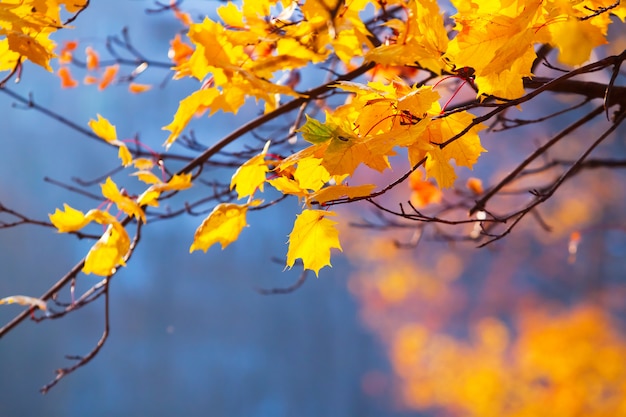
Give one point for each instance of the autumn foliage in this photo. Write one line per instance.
(404, 87)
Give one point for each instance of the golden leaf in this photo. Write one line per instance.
(312, 238)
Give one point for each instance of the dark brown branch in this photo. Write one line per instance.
(83, 360)
(542, 196)
(286, 290)
(480, 204)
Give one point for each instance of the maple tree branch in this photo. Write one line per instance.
(286, 290)
(83, 360)
(75, 15)
(16, 69)
(513, 123)
(589, 89)
(543, 195)
(480, 204)
(599, 10)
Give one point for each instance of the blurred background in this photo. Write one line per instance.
(436, 329)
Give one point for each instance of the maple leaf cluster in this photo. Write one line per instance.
(256, 51)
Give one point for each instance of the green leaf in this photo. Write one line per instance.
(315, 132)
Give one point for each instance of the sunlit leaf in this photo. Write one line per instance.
(69, 220)
(108, 253)
(103, 128)
(123, 202)
(222, 226)
(250, 176)
(312, 238)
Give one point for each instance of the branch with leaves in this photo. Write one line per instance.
(390, 73)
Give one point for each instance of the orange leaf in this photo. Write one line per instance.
(136, 88)
(109, 74)
(179, 51)
(475, 185)
(184, 17)
(93, 60)
(89, 80)
(65, 56)
(67, 81)
(424, 192)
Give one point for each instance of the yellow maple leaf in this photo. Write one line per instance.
(146, 176)
(69, 220)
(100, 217)
(123, 202)
(105, 130)
(108, 252)
(31, 48)
(143, 163)
(310, 174)
(250, 176)
(422, 38)
(223, 225)
(288, 186)
(149, 198)
(176, 183)
(464, 150)
(576, 40)
(493, 39)
(312, 238)
(344, 155)
(187, 108)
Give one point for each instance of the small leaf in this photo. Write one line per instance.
(103, 129)
(93, 59)
(124, 154)
(69, 220)
(251, 175)
(187, 108)
(108, 76)
(136, 88)
(108, 252)
(177, 182)
(223, 225)
(67, 81)
(314, 131)
(475, 185)
(123, 202)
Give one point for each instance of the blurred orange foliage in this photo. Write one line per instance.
(566, 363)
